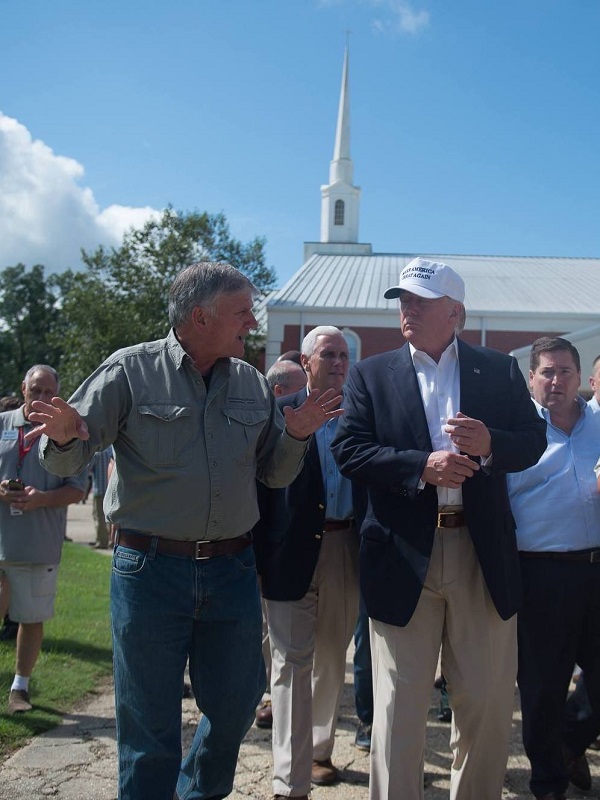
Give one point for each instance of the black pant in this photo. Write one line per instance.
(558, 627)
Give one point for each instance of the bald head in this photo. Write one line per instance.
(286, 377)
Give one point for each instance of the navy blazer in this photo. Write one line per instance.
(287, 538)
(383, 443)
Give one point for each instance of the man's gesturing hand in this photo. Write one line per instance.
(469, 435)
(448, 469)
(315, 411)
(58, 420)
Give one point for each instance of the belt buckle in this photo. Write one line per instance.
(594, 556)
(440, 518)
(197, 556)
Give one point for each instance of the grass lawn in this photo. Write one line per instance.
(76, 652)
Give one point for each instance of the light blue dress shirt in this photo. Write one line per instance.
(555, 503)
(338, 490)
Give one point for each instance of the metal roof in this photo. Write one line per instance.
(494, 284)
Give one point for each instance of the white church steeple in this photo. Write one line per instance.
(340, 199)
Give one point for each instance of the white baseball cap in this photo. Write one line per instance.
(429, 279)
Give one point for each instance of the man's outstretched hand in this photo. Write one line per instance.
(58, 420)
(315, 411)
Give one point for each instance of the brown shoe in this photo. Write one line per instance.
(18, 701)
(324, 773)
(264, 715)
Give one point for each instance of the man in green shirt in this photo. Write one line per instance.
(192, 427)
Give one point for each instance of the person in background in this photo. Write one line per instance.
(291, 355)
(307, 551)
(193, 427)
(556, 507)
(363, 680)
(33, 520)
(9, 627)
(284, 378)
(99, 472)
(594, 401)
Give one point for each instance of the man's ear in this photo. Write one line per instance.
(199, 316)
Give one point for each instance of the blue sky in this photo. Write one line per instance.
(475, 125)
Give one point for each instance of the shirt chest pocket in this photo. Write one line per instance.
(242, 432)
(165, 430)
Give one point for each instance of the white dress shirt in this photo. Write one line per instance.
(439, 384)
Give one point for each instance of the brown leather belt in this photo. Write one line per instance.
(177, 547)
(585, 556)
(451, 519)
(337, 525)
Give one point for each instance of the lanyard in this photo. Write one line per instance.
(23, 449)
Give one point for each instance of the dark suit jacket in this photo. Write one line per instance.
(287, 538)
(383, 443)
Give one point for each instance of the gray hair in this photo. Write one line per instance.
(310, 340)
(41, 368)
(281, 372)
(200, 284)
(462, 318)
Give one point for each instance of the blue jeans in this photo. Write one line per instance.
(166, 610)
(363, 672)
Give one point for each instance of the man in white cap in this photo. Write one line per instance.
(430, 430)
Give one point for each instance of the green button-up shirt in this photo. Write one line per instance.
(186, 458)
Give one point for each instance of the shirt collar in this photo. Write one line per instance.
(420, 355)
(545, 413)
(19, 418)
(175, 349)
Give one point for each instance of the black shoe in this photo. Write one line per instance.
(362, 740)
(578, 770)
(551, 796)
(9, 630)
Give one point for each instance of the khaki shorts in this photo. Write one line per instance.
(32, 590)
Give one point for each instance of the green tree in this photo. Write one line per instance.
(29, 313)
(122, 297)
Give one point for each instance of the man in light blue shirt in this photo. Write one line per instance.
(557, 511)
(307, 554)
(595, 385)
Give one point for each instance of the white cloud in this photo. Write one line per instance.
(46, 216)
(393, 16)
(398, 16)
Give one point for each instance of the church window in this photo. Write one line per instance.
(354, 345)
(338, 214)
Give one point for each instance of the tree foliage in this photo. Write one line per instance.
(122, 297)
(29, 315)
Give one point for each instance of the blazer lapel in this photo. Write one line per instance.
(471, 376)
(312, 451)
(407, 396)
